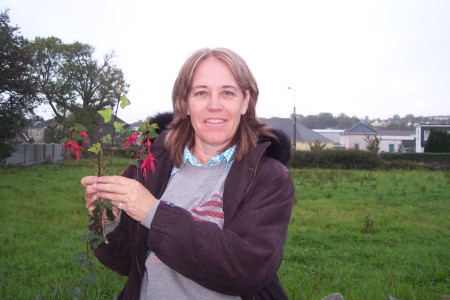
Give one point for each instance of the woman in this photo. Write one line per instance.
(211, 221)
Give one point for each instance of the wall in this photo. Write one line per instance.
(35, 153)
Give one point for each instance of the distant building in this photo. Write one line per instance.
(304, 136)
(332, 134)
(36, 132)
(423, 132)
(396, 140)
(390, 140)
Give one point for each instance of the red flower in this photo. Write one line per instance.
(68, 146)
(148, 164)
(85, 136)
(76, 149)
(131, 139)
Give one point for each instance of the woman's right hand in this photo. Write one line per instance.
(91, 194)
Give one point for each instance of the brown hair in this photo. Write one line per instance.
(181, 132)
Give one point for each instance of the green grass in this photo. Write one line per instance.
(365, 234)
(369, 235)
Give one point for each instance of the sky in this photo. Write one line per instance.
(371, 59)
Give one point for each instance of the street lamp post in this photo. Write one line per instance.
(295, 123)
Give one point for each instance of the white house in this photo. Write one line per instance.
(390, 140)
(423, 132)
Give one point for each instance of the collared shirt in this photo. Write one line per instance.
(227, 155)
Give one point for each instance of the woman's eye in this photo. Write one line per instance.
(228, 93)
(200, 93)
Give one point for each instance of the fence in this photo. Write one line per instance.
(35, 153)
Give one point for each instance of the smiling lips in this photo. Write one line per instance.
(215, 121)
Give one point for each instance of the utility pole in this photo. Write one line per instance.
(294, 136)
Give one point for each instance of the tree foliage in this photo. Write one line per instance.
(438, 142)
(17, 88)
(373, 143)
(72, 81)
(327, 120)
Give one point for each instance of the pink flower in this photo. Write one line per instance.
(131, 139)
(76, 149)
(148, 164)
(83, 133)
(68, 146)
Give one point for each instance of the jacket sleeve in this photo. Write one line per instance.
(245, 255)
(115, 254)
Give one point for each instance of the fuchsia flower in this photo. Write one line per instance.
(71, 147)
(76, 149)
(131, 139)
(148, 164)
(85, 136)
(68, 146)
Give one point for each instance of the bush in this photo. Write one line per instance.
(336, 159)
(438, 142)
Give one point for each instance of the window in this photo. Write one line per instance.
(391, 148)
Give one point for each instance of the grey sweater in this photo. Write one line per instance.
(198, 190)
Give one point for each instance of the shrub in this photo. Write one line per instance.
(336, 159)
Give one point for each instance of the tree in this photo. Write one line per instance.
(438, 142)
(373, 143)
(72, 81)
(17, 88)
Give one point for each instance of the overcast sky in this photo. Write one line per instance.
(362, 58)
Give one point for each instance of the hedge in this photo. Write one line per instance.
(365, 160)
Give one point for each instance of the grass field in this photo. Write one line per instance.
(365, 234)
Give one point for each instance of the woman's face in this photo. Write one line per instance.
(215, 105)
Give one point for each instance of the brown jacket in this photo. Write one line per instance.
(242, 259)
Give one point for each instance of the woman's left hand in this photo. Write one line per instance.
(126, 194)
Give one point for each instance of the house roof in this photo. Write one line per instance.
(360, 128)
(397, 132)
(42, 124)
(408, 144)
(303, 133)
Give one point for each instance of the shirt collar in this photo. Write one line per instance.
(227, 155)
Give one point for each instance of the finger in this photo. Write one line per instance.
(109, 188)
(89, 180)
(113, 197)
(115, 180)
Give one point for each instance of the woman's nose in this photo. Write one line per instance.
(214, 102)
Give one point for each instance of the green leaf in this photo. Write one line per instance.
(80, 127)
(110, 215)
(90, 278)
(63, 140)
(77, 136)
(124, 102)
(119, 125)
(107, 138)
(153, 135)
(95, 148)
(75, 293)
(154, 126)
(106, 114)
(142, 128)
(81, 259)
(118, 90)
(134, 162)
(99, 239)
